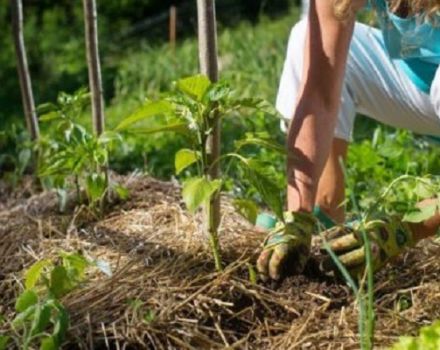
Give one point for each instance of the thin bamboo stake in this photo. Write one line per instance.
(173, 26)
(207, 35)
(94, 66)
(23, 70)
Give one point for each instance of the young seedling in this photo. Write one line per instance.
(40, 315)
(188, 110)
(72, 154)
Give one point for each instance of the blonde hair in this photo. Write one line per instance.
(344, 8)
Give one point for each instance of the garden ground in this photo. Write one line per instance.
(165, 294)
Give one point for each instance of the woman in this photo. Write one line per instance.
(334, 69)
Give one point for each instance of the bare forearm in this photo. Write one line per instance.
(308, 144)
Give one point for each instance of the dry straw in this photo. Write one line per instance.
(165, 293)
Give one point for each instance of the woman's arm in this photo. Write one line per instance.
(310, 134)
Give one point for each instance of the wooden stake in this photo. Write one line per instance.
(23, 70)
(207, 35)
(173, 26)
(94, 66)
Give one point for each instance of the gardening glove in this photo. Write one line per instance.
(286, 248)
(388, 237)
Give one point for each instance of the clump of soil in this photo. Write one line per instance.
(160, 259)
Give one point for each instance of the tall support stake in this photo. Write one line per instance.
(23, 70)
(173, 26)
(207, 35)
(94, 65)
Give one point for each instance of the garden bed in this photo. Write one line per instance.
(165, 294)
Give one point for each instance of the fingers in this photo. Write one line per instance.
(354, 261)
(345, 243)
(277, 261)
(263, 263)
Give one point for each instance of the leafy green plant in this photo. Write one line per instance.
(71, 154)
(428, 339)
(188, 111)
(41, 317)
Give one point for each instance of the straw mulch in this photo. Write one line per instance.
(159, 257)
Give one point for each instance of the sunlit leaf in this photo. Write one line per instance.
(184, 158)
(247, 208)
(263, 142)
(421, 214)
(149, 110)
(48, 343)
(25, 300)
(96, 186)
(195, 86)
(180, 128)
(197, 191)
(33, 274)
(75, 265)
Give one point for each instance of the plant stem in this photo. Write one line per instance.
(213, 238)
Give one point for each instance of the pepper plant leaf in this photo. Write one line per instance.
(259, 175)
(33, 274)
(178, 127)
(260, 140)
(148, 110)
(184, 158)
(247, 208)
(195, 86)
(26, 299)
(421, 214)
(197, 191)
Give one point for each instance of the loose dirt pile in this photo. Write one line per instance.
(165, 293)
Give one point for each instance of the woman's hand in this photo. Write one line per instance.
(388, 238)
(287, 247)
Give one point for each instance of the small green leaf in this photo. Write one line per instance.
(247, 208)
(95, 187)
(149, 316)
(26, 299)
(122, 192)
(21, 319)
(262, 178)
(60, 284)
(48, 343)
(195, 86)
(41, 319)
(75, 265)
(197, 191)
(185, 158)
(424, 191)
(49, 116)
(260, 141)
(33, 274)
(252, 274)
(149, 110)
(180, 128)
(109, 137)
(61, 324)
(420, 214)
